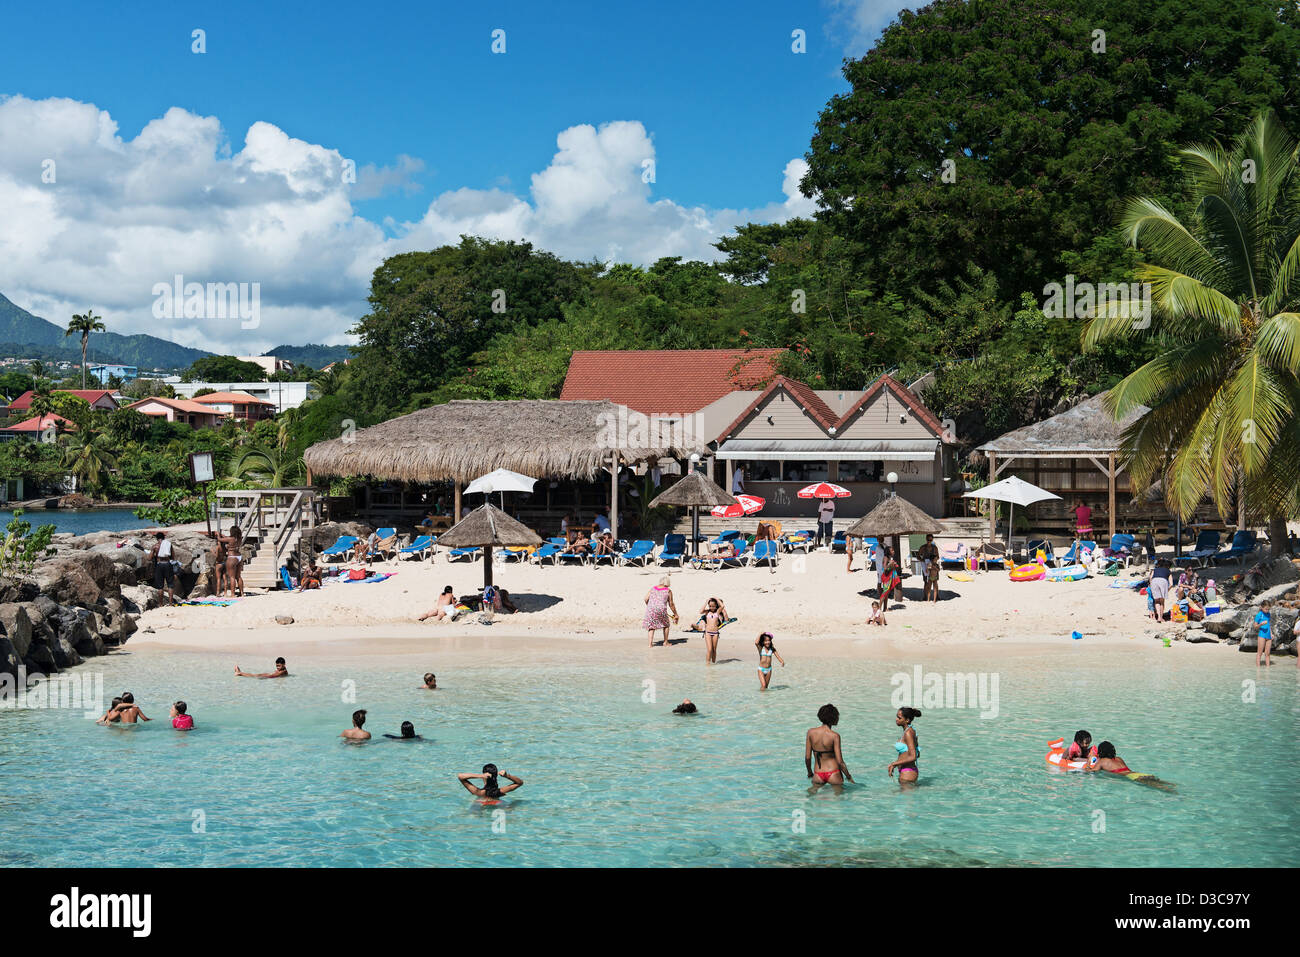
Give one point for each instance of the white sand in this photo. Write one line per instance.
(811, 599)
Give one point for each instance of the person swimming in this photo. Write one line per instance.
(430, 682)
(180, 716)
(358, 730)
(766, 651)
(281, 671)
(490, 792)
(408, 733)
(908, 749)
(111, 716)
(1108, 760)
(821, 750)
(686, 707)
(128, 711)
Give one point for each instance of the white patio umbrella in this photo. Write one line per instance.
(1015, 492)
(501, 480)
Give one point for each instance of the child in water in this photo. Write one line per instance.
(181, 720)
(1081, 746)
(766, 651)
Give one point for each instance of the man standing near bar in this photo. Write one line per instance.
(826, 521)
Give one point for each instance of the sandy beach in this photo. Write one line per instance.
(810, 600)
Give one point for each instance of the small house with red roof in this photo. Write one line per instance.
(186, 411)
(237, 405)
(41, 428)
(95, 398)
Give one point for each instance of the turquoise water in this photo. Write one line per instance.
(79, 521)
(614, 780)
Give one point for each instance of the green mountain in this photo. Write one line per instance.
(19, 328)
(314, 355)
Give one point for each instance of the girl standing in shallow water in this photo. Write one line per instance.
(908, 749)
(821, 750)
(490, 792)
(766, 651)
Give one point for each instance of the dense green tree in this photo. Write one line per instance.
(223, 369)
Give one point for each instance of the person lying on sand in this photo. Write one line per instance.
(445, 607)
(281, 671)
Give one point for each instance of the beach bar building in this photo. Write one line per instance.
(547, 439)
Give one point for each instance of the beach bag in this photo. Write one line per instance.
(1177, 614)
(358, 574)
(1112, 571)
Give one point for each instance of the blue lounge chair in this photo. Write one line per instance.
(1031, 550)
(612, 559)
(420, 547)
(801, 539)
(674, 549)
(518, 554)
(558, 540)
(458, 553)
(1075, 553)
(581, 558)
(1206, 548)
(718, 561)
(341, 546)
(765, 551)
(1243, 546)
(725, 537)
(545, 551)
(838, 542)
(642, 551)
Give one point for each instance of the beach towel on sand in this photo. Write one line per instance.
(377, 577)
(215, 602)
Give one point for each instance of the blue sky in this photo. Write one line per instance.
(447, 136)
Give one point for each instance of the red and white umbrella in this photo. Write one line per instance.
(745, 505)
(824, 490)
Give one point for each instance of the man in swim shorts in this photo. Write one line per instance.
(281, 671)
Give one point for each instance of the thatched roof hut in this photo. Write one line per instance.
(487, 525)
(463, 439)
(1087, 428)
(893, 517)
(696, 489)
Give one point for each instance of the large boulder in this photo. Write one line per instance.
(65, 655)
(17, 627)
(40, 660)
(9, 658)
(140, 598)
(68, 581)
(131, 554)
(1228, 621)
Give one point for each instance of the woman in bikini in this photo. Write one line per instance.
(490, 792)
(821, 750)
(766, 652)
(234, 559)
(714, 618)
(219, 565)
(1108, 760)
(908, 749)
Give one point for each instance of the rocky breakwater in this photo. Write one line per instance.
(1277, 582)
(83, 598)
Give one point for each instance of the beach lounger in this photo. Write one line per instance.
(674, 549)
(995, 552)
(612, 559)
(1243, 546)
(518, 554)
(642, 550)
(1031, 550)
(581, 558)
(1075, 555)
(954, 554)
(458, 553)
(839, 543)
(765, 551)
(342, 546)
(546, 550)
(725, 537)
(719, 561)
(420, 547)
(801, 539)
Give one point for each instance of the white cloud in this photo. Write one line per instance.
(124, 214)
(857, 24)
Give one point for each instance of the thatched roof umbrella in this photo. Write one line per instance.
(893, 518)
(485, 527)
(693, 491)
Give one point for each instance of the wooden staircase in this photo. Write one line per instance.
(273, 522)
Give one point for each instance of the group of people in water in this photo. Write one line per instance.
(124, 711)
(1102, 757)
(823, 756)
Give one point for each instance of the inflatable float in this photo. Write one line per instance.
(1058, 758)
(1070, 573)
(1028, 573)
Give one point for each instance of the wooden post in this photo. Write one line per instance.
(1111, 479)
(613, 496)
(455, 516)
(993, 506)
(731, 472)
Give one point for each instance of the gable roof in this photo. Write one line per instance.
(91, 396)
(242, 398)
(821, 412)
(180, 405)
(1085, 428)
(677, 381)
(40, 424)
(904, 395)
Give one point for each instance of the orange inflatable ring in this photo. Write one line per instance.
(1028, 573)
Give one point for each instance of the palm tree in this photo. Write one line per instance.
(42, 398)
(1223, 392)
(38, 369)
(327, 381)
(273, 466)
(89, 456)
(84, 324)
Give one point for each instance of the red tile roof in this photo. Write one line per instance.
(238, 398)
(821, 412)
(24, 401)
(180, 405)
(40, 424)
(667, 380)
